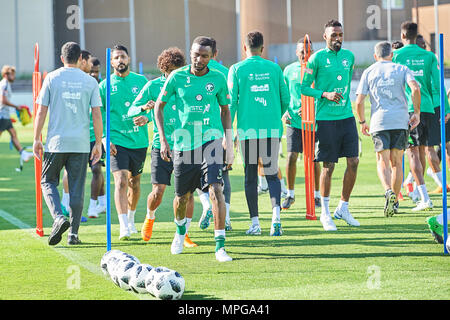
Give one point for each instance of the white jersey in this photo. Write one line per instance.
(5, 90)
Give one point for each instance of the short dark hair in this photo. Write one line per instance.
(397, 45)
(71, 52)
(120, 47)
(205, 42)
(95, 61)
(85, 55)
(214, 47)
(254, 40)
(171, 57)
(332, 23)
(409, 29)
(420, 41)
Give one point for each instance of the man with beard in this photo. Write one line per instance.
(129, 142)
(331, 71)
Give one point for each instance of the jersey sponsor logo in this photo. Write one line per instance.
(386, 83)
(386, 92)
(415, 62)
(307, 70)
(71, 95)
(207, 107)
(261, 88)
(251, 77)
(417, 73)
(261, 100)
(259, 76)
(210, 87)
(199, 97)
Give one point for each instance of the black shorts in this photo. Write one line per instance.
(129, 159)
(294, 139)
(161, 170)
(5, 124)
(434, 132)
(390, 139)
(198, 168)
(419, 136)
(102, 158)
(336, 139)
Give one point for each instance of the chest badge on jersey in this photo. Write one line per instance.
(345, 63)
(210, 87)
(135, 90)
(199, 97)
(339, 77)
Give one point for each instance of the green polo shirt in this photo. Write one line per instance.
(292, 77)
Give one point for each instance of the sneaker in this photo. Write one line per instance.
(343, 213)
(60, 225)
(147, 229)
(93, 212)
(222, 256)
(73, 240)
(423, 206)
(438, 190)
(228, 225)
(327, 222)
(262, 191)
(396, 207)
(101, 208)
(287, 203)
(177, 244)
(436, 229)
(132, 228)
(254, 230)
(188, 243)
(391, 200)
(317, 203)
(204, 221)
(276, 230)
(26, 156)
(284, 194)
(124, 234)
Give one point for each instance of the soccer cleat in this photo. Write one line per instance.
(73, 240)
(423, 206)
(228, 225)
(317, 203)
(436, 229)
(262, 191)
(188, 243)
(222, 256)
(396, 207)
(254, 230)
(287, 203)
(391, 200)
(26, 156)
(124, 234)
(327, 222)
(132, 228)
(344, 214)
(177, 244)
(60, 225)
(275, 229)
(147, 229)
(438, 190)
(101, 208)
(204, 221)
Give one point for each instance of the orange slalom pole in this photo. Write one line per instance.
(37, 83)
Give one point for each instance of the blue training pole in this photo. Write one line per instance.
(443, 153)
(141, 68)
(108, 150)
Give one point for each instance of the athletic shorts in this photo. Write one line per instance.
(419, 136)
(336, 139)
(161, 170)
(294, 139)
(390, 139)
(434, 132)
(129, 159)
(198, 168)
(102, 158)
(5, 124)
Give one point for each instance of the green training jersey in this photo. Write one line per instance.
(292, 77)
(330, 71)
(123, 92)
(91, 124)
(259, 98)
(150, 92)
(198, 101)
(423, 64)
(219, 67)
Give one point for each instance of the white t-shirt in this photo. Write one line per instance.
(5, 90)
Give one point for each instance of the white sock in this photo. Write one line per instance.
(123, 221)
(255, 221)
(342, 204)
(102, 200)
(316, 194)
(92, 203)
(325, 202)
(131, 216)
(409, 178)
(150, 214)
(180, 222)
(204, 199)
(423, 193)
(276, 214)
(218, 233)
(440, 218)
(227, 217)
(438, 178)
(65, 199)
(291, 193)
(263, 182)
(188, 224)
(283, 186)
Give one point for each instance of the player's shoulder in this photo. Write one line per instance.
(179, 73)
(292, 67)
(138, 77)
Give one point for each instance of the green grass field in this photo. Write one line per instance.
(393, 258)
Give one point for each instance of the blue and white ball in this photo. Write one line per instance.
(121, 273)
(168, 285)
(152, 275)
(106, 257)
(137, 277)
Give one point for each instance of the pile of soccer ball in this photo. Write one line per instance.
(128, 273)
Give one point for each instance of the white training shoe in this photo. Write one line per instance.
(124, 234)
(254, 230)
(327, 222)
(132, 228)
(344, 214)
(26, 156)
(101, 208)
(222, 256)
(93, 212)
(177, 244)
(423, 206)
(415, 195)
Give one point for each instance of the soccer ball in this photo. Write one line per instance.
(151, 276)
(137, 277)
(106, 257)
(121, 273)
(168, 285)
(126, 256)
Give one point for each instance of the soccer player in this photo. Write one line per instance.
(95, 68)
(67, 95)
(259, 98)
(385, 82)
(423, 64)
(292, 76)
(331, 71)
(202, 99)
(129, 142)
(8, 77)
(168, 61)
